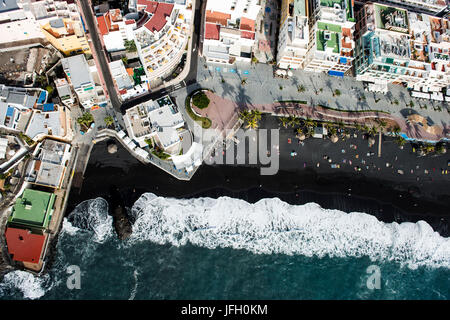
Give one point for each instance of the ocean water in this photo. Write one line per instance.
(226, 248)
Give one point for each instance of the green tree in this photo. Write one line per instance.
(400, 141)
(109, 121)
(200, 100)
(130, 46)
(85, 120)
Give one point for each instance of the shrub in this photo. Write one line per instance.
(200, 100)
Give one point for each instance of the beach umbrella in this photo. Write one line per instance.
(371, 141)
(290, 74)
(334, 138)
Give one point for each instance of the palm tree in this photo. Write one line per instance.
(293, 121)
(309, 123)
(243, 81)
(301, 88)
(300, 135)
(396, 130)
(109, 121)
(284, 121)
(252, 123)
(400, 141)
(331, 130)
(256, 114)
(244, 115)
(373, 131)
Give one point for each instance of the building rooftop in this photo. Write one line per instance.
(34, 208)
(45, 123)
(212, 31)
(25, 246)
(77, 70)
(8, 5)
(391, 18)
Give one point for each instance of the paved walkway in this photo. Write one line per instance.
(262, 89)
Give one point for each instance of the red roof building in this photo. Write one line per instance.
(212, 31)
(158, 20)
(102, 26)
(25, 246)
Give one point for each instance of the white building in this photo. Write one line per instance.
(397, 46)
(293, 39)
(161, 37)
(21, 20)
(49, 164)
(81, 79)
(121, 78)
(229, 30)
(155, 120)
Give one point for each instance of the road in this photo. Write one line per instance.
(89, 19)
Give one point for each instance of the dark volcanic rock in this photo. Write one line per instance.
(121, 223)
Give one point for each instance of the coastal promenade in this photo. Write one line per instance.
(255, 87)
(167, 166)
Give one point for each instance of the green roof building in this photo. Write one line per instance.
(33, 209)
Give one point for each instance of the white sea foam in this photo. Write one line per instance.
(32, 287)
(273, 226)
(91, 215)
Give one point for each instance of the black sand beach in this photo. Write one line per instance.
(383, 193)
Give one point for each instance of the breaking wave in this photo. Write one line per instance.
(31, 287)
(90, 215)
(273, 226)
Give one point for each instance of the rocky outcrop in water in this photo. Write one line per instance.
(122, 224)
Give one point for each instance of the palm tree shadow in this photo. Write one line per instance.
(228, 89)
(243, 100)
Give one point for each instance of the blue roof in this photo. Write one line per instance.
(42, 97)
(48, 107)
(336, 73)
(10, 111)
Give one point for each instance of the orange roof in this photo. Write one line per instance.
(103, 25)
(25, 246)
(247, 24)
(217, 17)
(130, 72)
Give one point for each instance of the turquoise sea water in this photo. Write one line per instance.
(229, 249)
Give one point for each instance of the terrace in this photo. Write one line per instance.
(328, 37)
(390, 18)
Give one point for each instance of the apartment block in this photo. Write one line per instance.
(81, 79)
(332, 25)
(397, 46)
(229, 30)
(293, 40)
(161, 37)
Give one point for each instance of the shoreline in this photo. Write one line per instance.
(387, 201)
